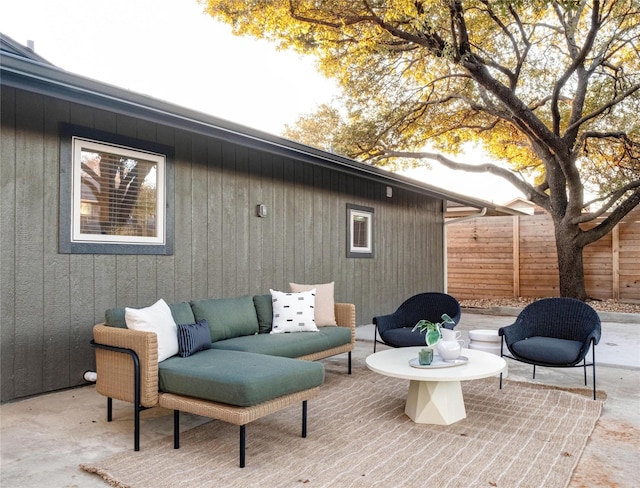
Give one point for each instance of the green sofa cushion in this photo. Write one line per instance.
(227, 317)
(181, 312)
(114, 317)
(264, 311)
(289, 345)
(241, 379)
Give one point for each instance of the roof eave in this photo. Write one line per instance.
(49, 80)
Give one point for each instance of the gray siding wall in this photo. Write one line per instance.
(50, 301)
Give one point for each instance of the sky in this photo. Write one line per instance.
(172, 51)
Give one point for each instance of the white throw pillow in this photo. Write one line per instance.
(156, 318)
(325, 305)
(293, 312)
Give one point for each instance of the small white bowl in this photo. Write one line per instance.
(484, 335)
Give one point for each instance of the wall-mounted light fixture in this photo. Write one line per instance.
(389, 192)
(261, 210)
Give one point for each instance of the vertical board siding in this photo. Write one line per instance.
(166, 267)
(213, 227)
(8, 184)
(481, 261)
(29, 216)
(240, 224)
(57, 296)
(200, 213)
(82, 311)
(50, 301)
(183, 203)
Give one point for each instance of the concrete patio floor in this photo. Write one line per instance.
(43, 439)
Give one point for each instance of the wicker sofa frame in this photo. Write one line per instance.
(127, 370)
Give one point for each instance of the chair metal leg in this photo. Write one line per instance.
(109, 409)
(584, 367)
(304, 418)
(349, 362)
(243, 442)
(136, 427)
(534, 371)
(501, 355)
(176, 429)
(593, 365)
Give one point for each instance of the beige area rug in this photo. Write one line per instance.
(358, 436)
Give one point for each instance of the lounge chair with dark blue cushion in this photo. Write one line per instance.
(395, 329)
(553, 332)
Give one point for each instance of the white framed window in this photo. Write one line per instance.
(118, 194)
(114, 194)
(359, 231)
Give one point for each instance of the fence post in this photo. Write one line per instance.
(615, 261)
(516, 256)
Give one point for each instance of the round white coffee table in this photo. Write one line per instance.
(435, 394)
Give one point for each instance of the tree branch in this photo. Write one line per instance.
(512, 75)
(604, 107)
(612, 197)
(534, 194)
(578, 61)
(607, 225)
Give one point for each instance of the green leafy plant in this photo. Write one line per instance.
(432, 329)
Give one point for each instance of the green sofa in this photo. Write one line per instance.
(245, 374)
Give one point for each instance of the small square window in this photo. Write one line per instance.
(359, 231)
(113, 196)
(118, 194)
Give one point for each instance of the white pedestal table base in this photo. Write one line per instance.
(435, 402)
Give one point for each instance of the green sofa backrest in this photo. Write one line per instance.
(264, 311)
(227, 317)
(181, 311)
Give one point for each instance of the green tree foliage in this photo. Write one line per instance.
(551, 87)
(324, 129)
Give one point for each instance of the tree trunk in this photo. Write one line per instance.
(570, 264)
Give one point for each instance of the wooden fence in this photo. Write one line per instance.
(491, 257)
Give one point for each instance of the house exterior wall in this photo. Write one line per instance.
(50, 301)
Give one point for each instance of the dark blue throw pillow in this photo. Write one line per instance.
(193, 338)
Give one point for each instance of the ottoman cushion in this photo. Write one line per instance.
(237, 378)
